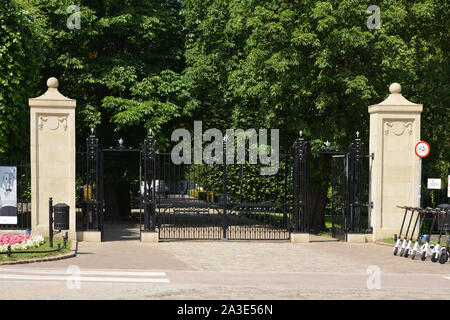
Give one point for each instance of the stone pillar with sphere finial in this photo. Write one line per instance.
(394, 132)
(52, 144)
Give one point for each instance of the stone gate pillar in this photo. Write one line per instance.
(52, 142)
(394, 132)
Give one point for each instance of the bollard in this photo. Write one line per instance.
(50, 221)
(65, 239)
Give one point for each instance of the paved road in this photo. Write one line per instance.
(128, 269)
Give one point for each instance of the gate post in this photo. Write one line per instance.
(92, 181)
(52, 148)
(148, 180)
(354, 184)
(300, 205)
(394, 131)
(358, 183)
(225, 197)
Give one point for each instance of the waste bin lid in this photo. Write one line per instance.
(61, 205)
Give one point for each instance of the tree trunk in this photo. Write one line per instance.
(117, 200)
(317, 201)
(317, 192)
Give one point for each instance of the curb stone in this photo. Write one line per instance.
(384, 244)
(72, 254)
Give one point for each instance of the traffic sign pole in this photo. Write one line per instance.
(422, 150)
(420, 182)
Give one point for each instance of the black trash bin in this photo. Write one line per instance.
(61, 216)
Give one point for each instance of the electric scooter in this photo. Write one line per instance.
(443, 258)
(408, 248)
(405, 239)
(416, 248)
(426, 248)
(438, 250)
(398, 239)
(445, 253)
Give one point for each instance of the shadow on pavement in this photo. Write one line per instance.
(121, 231)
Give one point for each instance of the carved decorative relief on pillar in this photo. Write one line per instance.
(398, 128)
(52, 122)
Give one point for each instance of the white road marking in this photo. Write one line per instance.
(86, 279)
(88, 272)
(85, 275)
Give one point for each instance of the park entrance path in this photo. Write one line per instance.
(121, 249)
(128, 269)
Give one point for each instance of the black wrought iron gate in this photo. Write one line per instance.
(233, 201)
(202, 202)
(90, 185)
(349, 187)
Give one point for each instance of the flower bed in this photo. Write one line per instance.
(20, 241)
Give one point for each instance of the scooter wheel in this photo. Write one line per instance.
(413, 255)
(395, 251)
(434, 257)
(443, 258)
(406, 254)
(423, 256)
(402, 250)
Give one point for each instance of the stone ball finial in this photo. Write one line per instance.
(52, 82)
(395, 88)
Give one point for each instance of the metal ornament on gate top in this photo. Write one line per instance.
(149, 145)
(91, 143)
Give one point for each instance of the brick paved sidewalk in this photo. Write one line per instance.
(317, 257)
(241, 270)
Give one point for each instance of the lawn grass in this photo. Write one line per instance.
(392, 241)
(26, 256)
(326, 235)
(338, 222)
(388, 240)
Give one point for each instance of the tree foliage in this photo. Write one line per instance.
(294, 65)
(315, 66)
(22, 41)
(120, 65)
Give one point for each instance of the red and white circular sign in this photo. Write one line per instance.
(422, 149)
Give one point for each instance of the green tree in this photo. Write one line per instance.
(115, 66)
(115, 63)
(314, 66)
(22, 52)
(431, 42)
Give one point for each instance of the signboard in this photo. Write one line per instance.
(422, 149)
(8, 195)
(434, 184)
